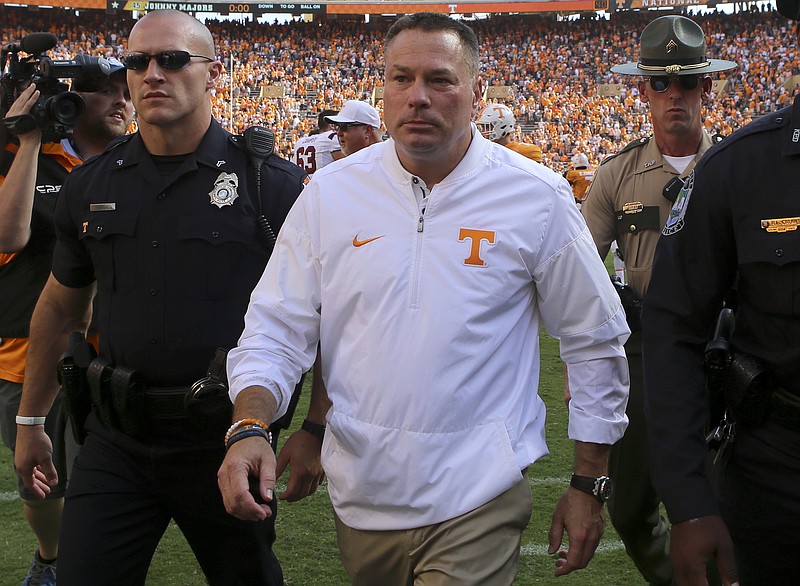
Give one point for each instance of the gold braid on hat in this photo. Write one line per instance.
(672, 69)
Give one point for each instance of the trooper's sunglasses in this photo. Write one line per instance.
(343, 126)
(172, 60)
(660, 83)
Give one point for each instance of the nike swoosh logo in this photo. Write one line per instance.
(357, 242)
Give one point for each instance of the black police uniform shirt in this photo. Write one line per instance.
(739, 213)
(175, 258)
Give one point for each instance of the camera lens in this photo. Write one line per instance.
(66, 108)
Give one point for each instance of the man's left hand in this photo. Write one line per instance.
(581, 515)
(301, 453)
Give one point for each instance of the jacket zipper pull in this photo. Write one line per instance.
(420, 224)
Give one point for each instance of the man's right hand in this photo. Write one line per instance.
(33, 459)
(250, 457)
(696, 541)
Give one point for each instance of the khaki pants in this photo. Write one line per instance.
(479, 547)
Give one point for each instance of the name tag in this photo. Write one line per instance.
(780, 224)
(102, 207)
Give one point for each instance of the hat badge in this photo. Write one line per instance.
(672, 46)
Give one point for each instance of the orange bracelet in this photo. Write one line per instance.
(248, 431)
(247, 421)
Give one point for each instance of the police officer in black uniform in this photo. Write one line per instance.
(171, 227)
(732, 236)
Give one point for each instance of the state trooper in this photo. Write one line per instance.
(629, 201)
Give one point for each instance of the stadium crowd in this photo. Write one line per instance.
(555, 68)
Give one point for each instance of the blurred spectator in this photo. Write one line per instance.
(319, 148)
(579, 176)
(358, 125)
(554, 68)
(497, 123)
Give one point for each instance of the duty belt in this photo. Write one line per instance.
(125, 402)
(165, 403)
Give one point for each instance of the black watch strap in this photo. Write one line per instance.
(599, 487)
(315, 429)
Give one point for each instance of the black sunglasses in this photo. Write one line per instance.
(172, 60)
(343, 126)
(660, 83)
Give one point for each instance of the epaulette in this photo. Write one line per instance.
(767, 123)
(628, 147)
(272, 160)
(109, 147)
(279, 162)
(118, 141)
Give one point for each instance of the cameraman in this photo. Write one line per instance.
(31, 175)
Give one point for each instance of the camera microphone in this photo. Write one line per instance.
(37, 43)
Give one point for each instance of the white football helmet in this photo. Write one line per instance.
(496, 121)
(580, 160)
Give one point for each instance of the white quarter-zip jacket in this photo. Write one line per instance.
(429, 328)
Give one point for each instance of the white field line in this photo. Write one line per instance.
(8, 496)
(551, 481)
(539, 549)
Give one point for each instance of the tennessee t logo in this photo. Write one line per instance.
(500, 113)
(475, 237)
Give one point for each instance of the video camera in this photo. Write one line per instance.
(57, 110)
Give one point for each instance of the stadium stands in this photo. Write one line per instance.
(554, 68)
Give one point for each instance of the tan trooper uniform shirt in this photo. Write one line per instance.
(625, 203)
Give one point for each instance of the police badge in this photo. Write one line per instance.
(224, 191)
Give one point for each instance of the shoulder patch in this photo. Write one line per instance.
(628, 147)
(675, 220)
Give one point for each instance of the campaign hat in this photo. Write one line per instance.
(673, 45)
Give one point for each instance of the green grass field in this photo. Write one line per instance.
(306, 537)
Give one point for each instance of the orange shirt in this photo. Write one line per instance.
(13, 350)
(528, 150)
(580, 179)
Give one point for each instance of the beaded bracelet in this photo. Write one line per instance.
(245, 421)
(252, 432)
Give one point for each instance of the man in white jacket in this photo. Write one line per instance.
(436, 256)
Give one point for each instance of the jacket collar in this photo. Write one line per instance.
(466, 168)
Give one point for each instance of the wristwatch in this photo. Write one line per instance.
(601, 488)
(315, 429)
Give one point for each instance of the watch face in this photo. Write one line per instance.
(604, 488)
